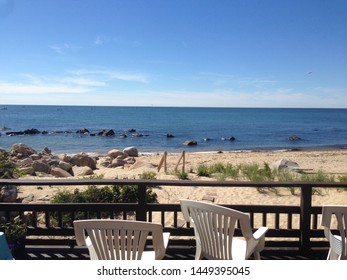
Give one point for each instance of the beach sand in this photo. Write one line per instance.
(328, 162)
(332, 162)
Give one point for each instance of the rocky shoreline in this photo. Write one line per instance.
(45, 163)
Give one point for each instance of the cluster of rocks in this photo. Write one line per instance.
(193, 142)
(44, 163)
(84, 131)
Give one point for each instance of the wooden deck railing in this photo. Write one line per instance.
(42, 230)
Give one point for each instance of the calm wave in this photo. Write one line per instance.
(252, 128)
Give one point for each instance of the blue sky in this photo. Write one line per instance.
(206, 53)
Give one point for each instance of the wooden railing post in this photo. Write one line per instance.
(305, 218)
(142, 203)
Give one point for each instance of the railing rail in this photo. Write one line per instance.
(300, 237)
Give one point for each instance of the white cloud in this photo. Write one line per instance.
(84, 82)
(62, 48)
(112, 75)
(15, 88)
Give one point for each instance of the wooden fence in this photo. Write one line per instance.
(43, 231)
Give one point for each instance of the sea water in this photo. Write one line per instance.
(211, 128)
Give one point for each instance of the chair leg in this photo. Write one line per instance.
(333, 256)
(198, 253)
(256, 255)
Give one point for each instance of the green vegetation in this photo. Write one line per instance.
(256, 173)
(218, 170)
(8, 169)
(182, 175)
(148, 175)
(107, 194)
(14, 230)
(94, 194)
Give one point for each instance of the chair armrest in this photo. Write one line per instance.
(260, 232)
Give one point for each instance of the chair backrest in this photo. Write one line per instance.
(215, 226)
(340, 214)
(5, 253)
(119, 239)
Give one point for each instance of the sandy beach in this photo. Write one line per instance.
(332, 162)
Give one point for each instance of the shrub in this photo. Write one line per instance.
(148, 175)
(8, 169)
(203, 170)
(254, 173)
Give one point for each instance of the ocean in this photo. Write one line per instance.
(147, 128)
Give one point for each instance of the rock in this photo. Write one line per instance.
(83, 160)
(53, 162)
(28, 170)
(13, 133)
(82, 171)
(284, 164)
(117, 162)
(106, 132)
(123, 135)
(66, 166)
(66, 158)
(131, 151)
(116, 153)
(169, 135)
(190, 143)
(60, 173)
(8, 194)
(21, 149)
(24, 162)
(41, 166)
(294, 138)
(130, 160)
(29, 198)
(35, 157)
(83, 131)
(46, 151)
(31, 131)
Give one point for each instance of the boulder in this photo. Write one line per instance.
(35, 156)
(65, 166)
(284, 164)
(82, 171)
(32, 131)
(106, 132)
(116, 153)
(41, 166)
(22, 150)
(60, 173)
(24, 162)
(131, 151)
(190, 143)
(83, 131)
(117, 162)
(46, 151)
(8, 194)
(28, 170)
(83, 159)
(294, 138)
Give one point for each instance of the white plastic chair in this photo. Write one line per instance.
(338, 243)
(214, 228)
(5, 253)
(120, 239)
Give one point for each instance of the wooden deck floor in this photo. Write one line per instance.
(173, 253)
